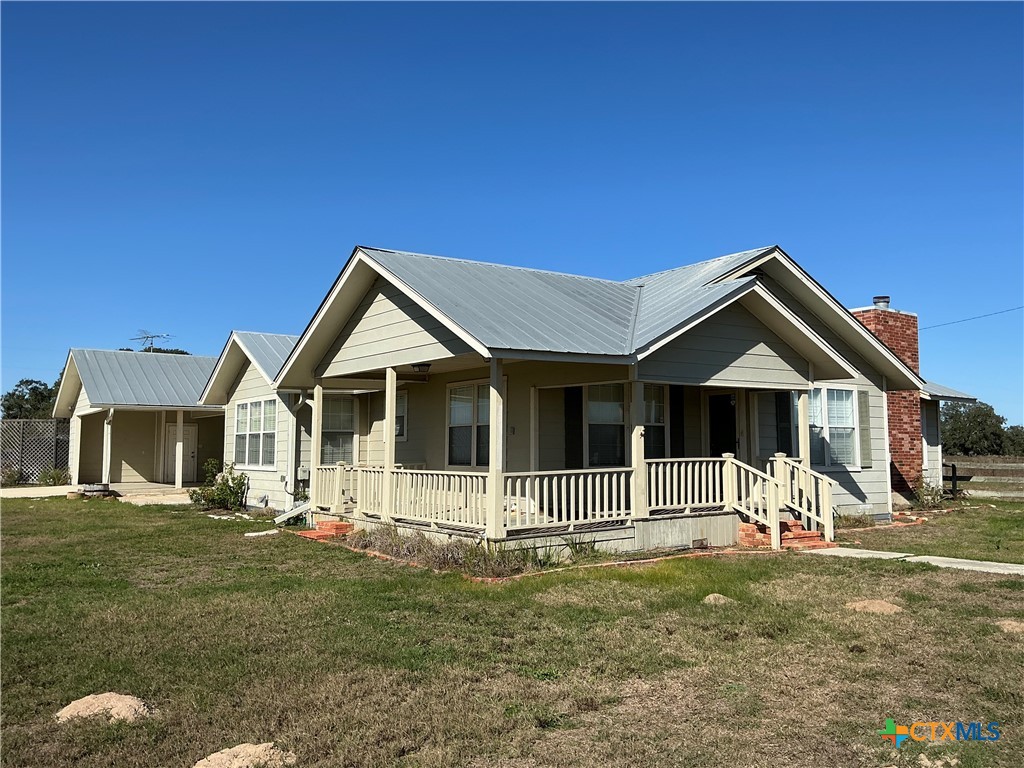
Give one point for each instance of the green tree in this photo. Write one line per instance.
(1013, 442)
(972, 429)
(30, 399)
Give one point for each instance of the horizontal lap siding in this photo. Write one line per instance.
(932, 445)
(731, 348)
(388, 329)
(866, 490)
(251, 385)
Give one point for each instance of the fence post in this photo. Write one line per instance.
(729, 480)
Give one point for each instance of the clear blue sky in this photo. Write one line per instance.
(192, 168)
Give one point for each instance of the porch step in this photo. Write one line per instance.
(336, 527)
(315, 535)
(793, 536)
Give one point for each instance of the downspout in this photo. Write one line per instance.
(291, 469)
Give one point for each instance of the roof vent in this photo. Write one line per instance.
(881, 302)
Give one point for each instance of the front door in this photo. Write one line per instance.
(722, 424)
(188, 466)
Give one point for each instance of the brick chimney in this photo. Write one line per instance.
(898, 331)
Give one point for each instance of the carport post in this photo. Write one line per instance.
(108, 427)
(179, 451)
(75, 454)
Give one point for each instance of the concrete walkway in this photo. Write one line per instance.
(985, 566)
(132, 493)
(35, 491)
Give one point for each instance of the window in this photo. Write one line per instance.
(338, 433)
(833, 416)
(401, 416)
(256, 433)
(606, 425)
(654, 421)
(469, 433)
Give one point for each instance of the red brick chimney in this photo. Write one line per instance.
(898, 331)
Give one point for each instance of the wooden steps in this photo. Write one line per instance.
(328, 530)
(794, 536)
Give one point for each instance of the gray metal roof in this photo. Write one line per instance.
(267, 350)
(142, 378)
(939, 392)
(507, 307)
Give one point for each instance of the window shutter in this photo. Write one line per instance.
(864, 412)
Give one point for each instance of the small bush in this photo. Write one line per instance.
(211, 468)
(9, 476)
(55, 476)
(928, 496)
(854, 521)
(227, 491)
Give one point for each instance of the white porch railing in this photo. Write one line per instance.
(685, 484)
(755, 494)
(370, 482)
(566, 498)
(457, 498)
(805, 492)
(326, 485)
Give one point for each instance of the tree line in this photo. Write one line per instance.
(975, 429)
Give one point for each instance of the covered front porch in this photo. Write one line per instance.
(513, 449)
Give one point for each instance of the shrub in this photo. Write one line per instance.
(9, 476)
(211, 468)
(227, 491)
(55, 476)
(928, 495)
(854, 521)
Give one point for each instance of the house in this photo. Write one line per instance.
(465, 398)
(135, 416)
(914, 460)
(647, 412)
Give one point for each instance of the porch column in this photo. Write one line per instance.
(803, 415)
(179, 451)
(638, 488)
(161, 447)
(495, 528)
(76, 448)
(316, 442)
(108, 428)
(390, 406)
(534, 429)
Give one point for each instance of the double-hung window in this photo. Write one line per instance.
(606, 425)
(834, 420)
(655, 446)
(469, 432)
(256, 433)
(339, 427)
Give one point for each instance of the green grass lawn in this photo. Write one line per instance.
(349, 661)
(979, 529)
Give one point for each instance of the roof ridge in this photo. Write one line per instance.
(266, 333)
(698, 263)
(500, 266)
(141, 352)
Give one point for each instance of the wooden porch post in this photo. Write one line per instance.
(803, 414)
(495, 526)
(108, 428)
(161, 447)
(76, 448)
(316, 441)
(179, 452)
(638, 489)
(534, 429)
(390, 406)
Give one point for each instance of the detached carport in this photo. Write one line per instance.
(135, 417)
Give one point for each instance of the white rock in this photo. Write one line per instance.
(270, 532)
(249, 756)
(115, 706)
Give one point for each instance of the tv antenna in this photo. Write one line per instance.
(148, 338)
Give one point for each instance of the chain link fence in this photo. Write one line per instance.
(30, 446)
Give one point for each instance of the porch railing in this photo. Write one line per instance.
(566, 498)
(326, 485)
(455, 498)
(755, 494)
(805, 492)
(685, 484)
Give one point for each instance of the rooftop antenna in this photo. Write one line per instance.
(148, 338)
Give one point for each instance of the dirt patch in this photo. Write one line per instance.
(716, 599)
(874, 606)
(1009, 625)
(114, 706)
(249, 756)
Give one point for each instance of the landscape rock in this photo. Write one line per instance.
(873, 606)
(268, 532)
(249, 756)
(716, 599)
(115, 706)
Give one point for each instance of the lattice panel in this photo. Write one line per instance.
(33, 445)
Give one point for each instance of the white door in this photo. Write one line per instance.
(188, 467)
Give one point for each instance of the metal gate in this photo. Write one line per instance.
(30, 446)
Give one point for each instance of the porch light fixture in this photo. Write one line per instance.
(421, 367)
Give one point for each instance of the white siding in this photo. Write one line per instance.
(731, 348)
(388, 329)
(931, 441)
(250, 385)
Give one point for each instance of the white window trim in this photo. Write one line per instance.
(448, 417)
(828, 468)
(356, 430)
(402, 409)
(277, 416)
(626, 423)
(668, 416)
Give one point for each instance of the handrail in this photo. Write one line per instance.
(566, 498)
(806, 492)
(685, 484)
